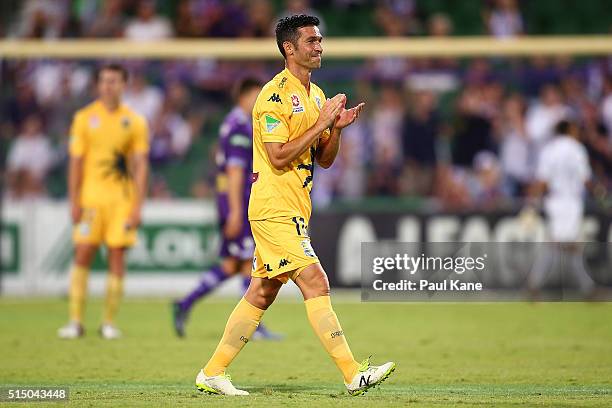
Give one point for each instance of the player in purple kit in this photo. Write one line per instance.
(234, 159)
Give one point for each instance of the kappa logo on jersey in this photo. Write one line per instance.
(318, 101)
(283, 262)
(275, 98)
(271, 123)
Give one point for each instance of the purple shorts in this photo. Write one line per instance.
(241, 247)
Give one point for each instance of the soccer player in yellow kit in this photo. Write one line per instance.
(294, 125)
(107, 180)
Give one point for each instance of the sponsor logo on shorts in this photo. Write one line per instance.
(283, 262)
(84, 228)
(244, 339)
(268, 268)
(308, 251)
(254, 263)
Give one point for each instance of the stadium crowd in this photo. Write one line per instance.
(457, 133)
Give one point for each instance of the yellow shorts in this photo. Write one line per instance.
(105, 224)
(282, 248)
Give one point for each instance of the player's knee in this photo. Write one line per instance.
(84, 254)
(320, 287)
(261, 297)
(230, 266)
(313, 282)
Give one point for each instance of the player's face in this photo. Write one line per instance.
(309, 50)
(110, 85)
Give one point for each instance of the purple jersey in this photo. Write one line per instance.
(235, 149)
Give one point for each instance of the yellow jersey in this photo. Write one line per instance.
(284, 111)
(106, 140)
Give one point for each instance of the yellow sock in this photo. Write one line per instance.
(114, 292)
(325, 323)
(77, 292)
(241, 324)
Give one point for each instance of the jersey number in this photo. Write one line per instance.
(300, 226)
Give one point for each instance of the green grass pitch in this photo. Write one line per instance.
(504, 354)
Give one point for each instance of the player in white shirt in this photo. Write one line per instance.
(563, 170)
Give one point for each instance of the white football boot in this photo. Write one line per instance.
(72, 330)
(218, 384)
(369, 376)
(110, 332)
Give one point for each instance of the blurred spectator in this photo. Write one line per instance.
(538, 72)
(29, 159)
(472, 128)
(516, 162)
(486, 183)
(386, 129)
(216, 18)
(48, 76)
(386, 125)
(148, 25)
(143, 98)
(503, 19)
(420, 135)
(21, 105)
(347, 177)
(435, 74)
(544, 114)
(185, 22)
(397, 17)
(301, 7)
(43, 18)
(451, 190)
(606, 106)
(171, 134)
(597, 142)
(108, 22)
(261, 21)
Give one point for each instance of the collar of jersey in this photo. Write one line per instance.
(293, 79)
(100, 106)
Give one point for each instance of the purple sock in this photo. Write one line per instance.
(209, 281)
(246, 281)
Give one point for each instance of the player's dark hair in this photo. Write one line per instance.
(112, 67)
(564, 126)
(245, 85)
(287, 29)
